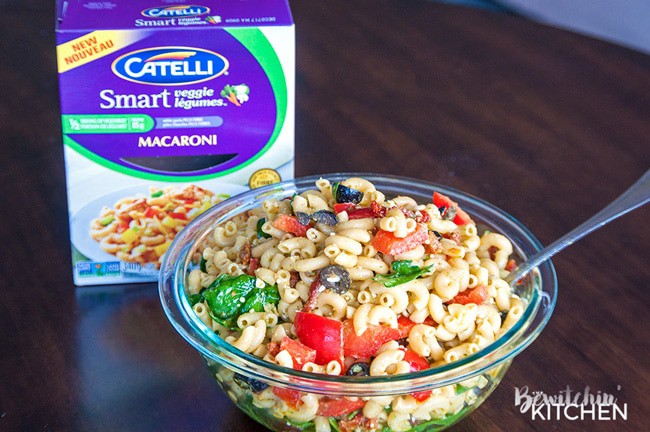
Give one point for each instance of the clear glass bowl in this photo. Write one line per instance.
(462, 385)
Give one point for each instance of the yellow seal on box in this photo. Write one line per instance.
(263, 177)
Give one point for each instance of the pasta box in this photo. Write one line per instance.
(167, 108)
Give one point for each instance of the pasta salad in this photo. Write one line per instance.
(344, 280)
(139, 229)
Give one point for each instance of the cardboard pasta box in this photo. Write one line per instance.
(167, 108)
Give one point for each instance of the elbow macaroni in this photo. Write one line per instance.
(455, 305)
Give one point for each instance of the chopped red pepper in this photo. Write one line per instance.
(323, 334)
(290, 396)
(340, 207)
(361, 213)
(180, 216)
(405, 325)
(421, 396)
(290, 224)
(476, 295)
(461, 217)
(367, 344)
(375, 210)
(300, 353)
(338, 407)
(417, 363)
(386, 242)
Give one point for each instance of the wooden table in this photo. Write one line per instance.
(546, 124)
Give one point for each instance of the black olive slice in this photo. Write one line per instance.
(249, 383)
(344, 194)
(325, 216)
(303, 218)
(335, 278)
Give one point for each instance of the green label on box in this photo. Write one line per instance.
(107, 123)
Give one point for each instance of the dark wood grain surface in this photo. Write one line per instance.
(546, 124)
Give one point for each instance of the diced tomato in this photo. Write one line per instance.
(405, 212)
(189, 201)
(150, 212)
(340, 207)
(453, 236)
(461, 217)
(361, 213)
(422, 217)
(314, 290)
(290, 396)
(294, 279)
(417, 363)
(358, 422)
(370, 340)
(290, 224)
(253, 265)
(351, 425)
(180, 216)
(338, 407)
(323, 334)
(511, 264)
(378, 209)
(300, 353)
(273, 347)
(386, 242)
(476, 295)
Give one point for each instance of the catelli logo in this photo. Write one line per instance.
(170, 65)
(175, 11)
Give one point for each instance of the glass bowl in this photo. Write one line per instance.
(457, 388)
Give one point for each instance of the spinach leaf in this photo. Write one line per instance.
(194, 299)
(334, 425)
(259, 297)
(230, 296)
(225, 297)
(202, 265)
(440, 423)
(404, 271)
(260, 233)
